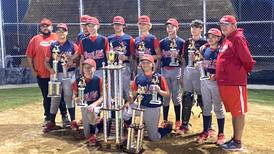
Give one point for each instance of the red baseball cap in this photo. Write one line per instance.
(173, 22)
(84, 19)
(144, 19)
(147, 57)
(91, 62)
(118, 20)
(93, 20)
(62, 25)
(228, 19)
(45, 21)
(215, 32)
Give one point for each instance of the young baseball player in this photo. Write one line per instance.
(122, 43)
(209, 87)
(171, 68)
(67, 51)
(146, 43)
(95, 46)
(94, 98)
(84, 25)
(152, 111)
(191, 76)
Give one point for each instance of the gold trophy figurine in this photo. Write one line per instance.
(64, 61)
(81, 96)
(173, 49)
(199, 64)
(111, 56)
(54, 84)
(191, 49)
(155, 100)
(141, 48)
(121, 51)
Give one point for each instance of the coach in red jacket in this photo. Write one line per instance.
(234, 62)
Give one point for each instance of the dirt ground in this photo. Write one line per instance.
(21, 132)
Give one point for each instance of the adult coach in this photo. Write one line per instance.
(233, 64)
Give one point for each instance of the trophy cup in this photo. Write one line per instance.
(64, 61)
(191, 49)
(121, 51)
(81, 96)
(173, 48)
(203, 75)
(54, 84)
(111, 56)
(155, 100)
(141, 49)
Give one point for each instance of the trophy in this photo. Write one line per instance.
(173, 48)
(141, 48)
(81, 95)
(155, 100)
(64, 61)
(54, 84)
(121, 51)
(191, 49)
(111, 56)
(203, 75)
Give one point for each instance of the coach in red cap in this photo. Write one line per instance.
(234, 62)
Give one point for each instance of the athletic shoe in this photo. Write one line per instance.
(232, 145)
(66, 122)
(211, 132)
(74, 125)
(183, 130)
(177, 125)
(202, 137)
(92, 140)
(220, 139)
(49, 127)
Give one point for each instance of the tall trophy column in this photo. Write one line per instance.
(54, 84)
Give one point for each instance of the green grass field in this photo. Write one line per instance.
(12, 98)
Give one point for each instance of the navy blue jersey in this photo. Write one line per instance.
(166, 53)
(92, 89)
(95, 49)
(198, 44)
(144, 81)
(210, 58)
(119, 41)
(67, 48)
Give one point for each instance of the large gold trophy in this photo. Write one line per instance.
(173, 48)
(141, 49)
(134, 144)
(64, 60)
(154, 100)
(191, 49)
(111, 56)
(54, 84)
(81, 95)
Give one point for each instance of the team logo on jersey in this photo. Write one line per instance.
(45, 43)
(98, 54)
(91, 96)
(167, 53)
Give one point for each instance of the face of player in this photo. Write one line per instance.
(213, 39)
(118, 28)
(171, 30)
(61, 34)
(227, 28)
(147, 66)
(196, 31)
(86, 29)
(93, 29)
(46, 29)
(88, 71)
(143, 27)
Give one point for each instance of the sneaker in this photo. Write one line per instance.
(92, 140)
(66, 122)
(74, 125)
(211, 132)
(45, 122)
(49, 127)
(183, 130)
(202, 137)
(220, 139)
(232, 146)
(177, 125)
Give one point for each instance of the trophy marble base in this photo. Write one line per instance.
(157, 102)
(174, 64)
(54, 89)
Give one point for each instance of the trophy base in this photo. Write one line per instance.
(64, 79)
(174, 64)
(155, 102)
(54, 89)
(82, 105)
(204, 78)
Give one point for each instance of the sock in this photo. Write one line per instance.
(206, 123)
(92, 129)
(52, 117)
(177, 109)
(72, 113)
(221, 123)
(210, 122)
(165, 112)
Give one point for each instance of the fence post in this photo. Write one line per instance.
(81, 11)
(139, 12)
(204, 16)
(2, 37)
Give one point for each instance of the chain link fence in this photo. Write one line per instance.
(21, 19)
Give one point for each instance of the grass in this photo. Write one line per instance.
(12, 98)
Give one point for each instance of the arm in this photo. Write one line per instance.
(164, 91)
(47, 65)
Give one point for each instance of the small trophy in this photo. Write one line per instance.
(121, 51)
(64, 61)
(111, 56)
(81, 95)
(200, 66)
(191, 49)
(155, 100)
(173, 48)
(54, 84)
(141, 48)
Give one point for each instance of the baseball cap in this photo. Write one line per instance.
(144, 19)
(148, 57)
(62, 25)
(84, 19)
(45, 21)
(197, 23)
(214, 31)
(228, 19)
(91, 62)
(93, 20)
(118, 20)
(173, 22)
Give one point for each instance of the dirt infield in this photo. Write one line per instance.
(21, 132)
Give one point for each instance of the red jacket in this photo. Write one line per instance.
(234, 60)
